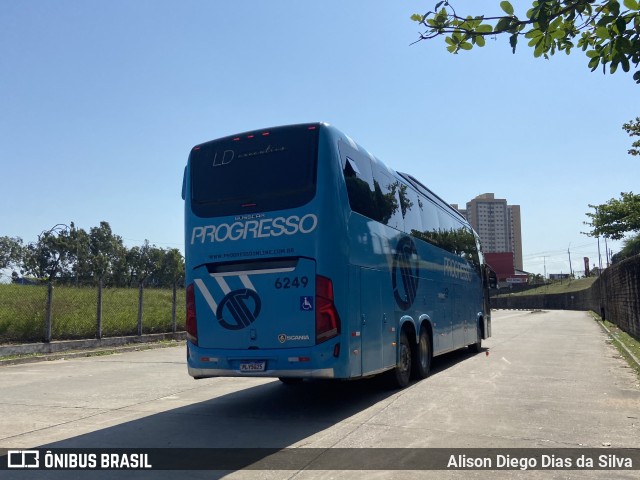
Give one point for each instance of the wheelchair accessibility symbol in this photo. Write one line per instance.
(306, 304)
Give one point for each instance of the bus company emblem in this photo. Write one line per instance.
(283, 337)
(239, 309)
(404, 274)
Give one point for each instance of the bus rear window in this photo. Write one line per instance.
(258, 171)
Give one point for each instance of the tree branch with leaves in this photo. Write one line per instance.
(616, 217)
(633, 129)
(608, 32)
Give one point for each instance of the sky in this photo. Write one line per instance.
(101, 102)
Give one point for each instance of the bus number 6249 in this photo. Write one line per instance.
(295, 282)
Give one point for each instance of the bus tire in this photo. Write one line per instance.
(477, 347)
(422, 355)
(399, 376)
(290, 380)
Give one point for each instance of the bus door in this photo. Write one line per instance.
(371, 320)
(460, 321)
(442, 330)
(373, 332)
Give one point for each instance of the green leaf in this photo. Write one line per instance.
(625, 45)
(539, 50)
(441, 19)
(484, 28)
(605, 20)
(614, 8)
(513, 41)
(480, 41)
(621, 25)
(602, 32)
(558, 34)
(466, 46)
(452, 48)
(506, 7)
(625, 63)
(631, 4)
(534, 33)
(502, 24)
(416, 17)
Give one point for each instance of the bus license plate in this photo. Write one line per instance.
(252, 366)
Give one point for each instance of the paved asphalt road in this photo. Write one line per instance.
(545, 379)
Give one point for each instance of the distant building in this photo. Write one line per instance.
(498, 225)
(502, 265)
(559, 276)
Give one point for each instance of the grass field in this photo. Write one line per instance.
(628, 346)
(564, 286)
(23, 312)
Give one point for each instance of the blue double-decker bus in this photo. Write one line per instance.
(307, 257)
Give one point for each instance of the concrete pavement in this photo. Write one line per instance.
(546, 379)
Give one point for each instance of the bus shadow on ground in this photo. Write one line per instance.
(271, 415)
(443, 362)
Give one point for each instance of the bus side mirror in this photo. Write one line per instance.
(490, 276)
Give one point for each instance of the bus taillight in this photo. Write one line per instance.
(327, 319)
(192, 326)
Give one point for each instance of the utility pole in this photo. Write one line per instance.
(544, 259)
(570, 267)
(599, 258)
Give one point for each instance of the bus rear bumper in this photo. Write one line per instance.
(214, 372)
(291, 363)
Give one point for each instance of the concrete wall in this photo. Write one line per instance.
(615, 296)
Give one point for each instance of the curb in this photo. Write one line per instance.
(84, 348)
(618, 342)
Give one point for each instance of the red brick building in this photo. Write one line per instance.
(502, 264)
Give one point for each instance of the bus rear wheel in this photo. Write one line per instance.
(422, 356)
(399, 376)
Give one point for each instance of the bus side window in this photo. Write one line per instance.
(358, 179)
(448, 235)
(410, 203)
(469, 249)
(430, 223)
(387, 198)
(479, 249)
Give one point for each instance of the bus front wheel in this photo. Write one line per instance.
(477, 347)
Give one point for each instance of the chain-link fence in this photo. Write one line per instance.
(36, 313)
